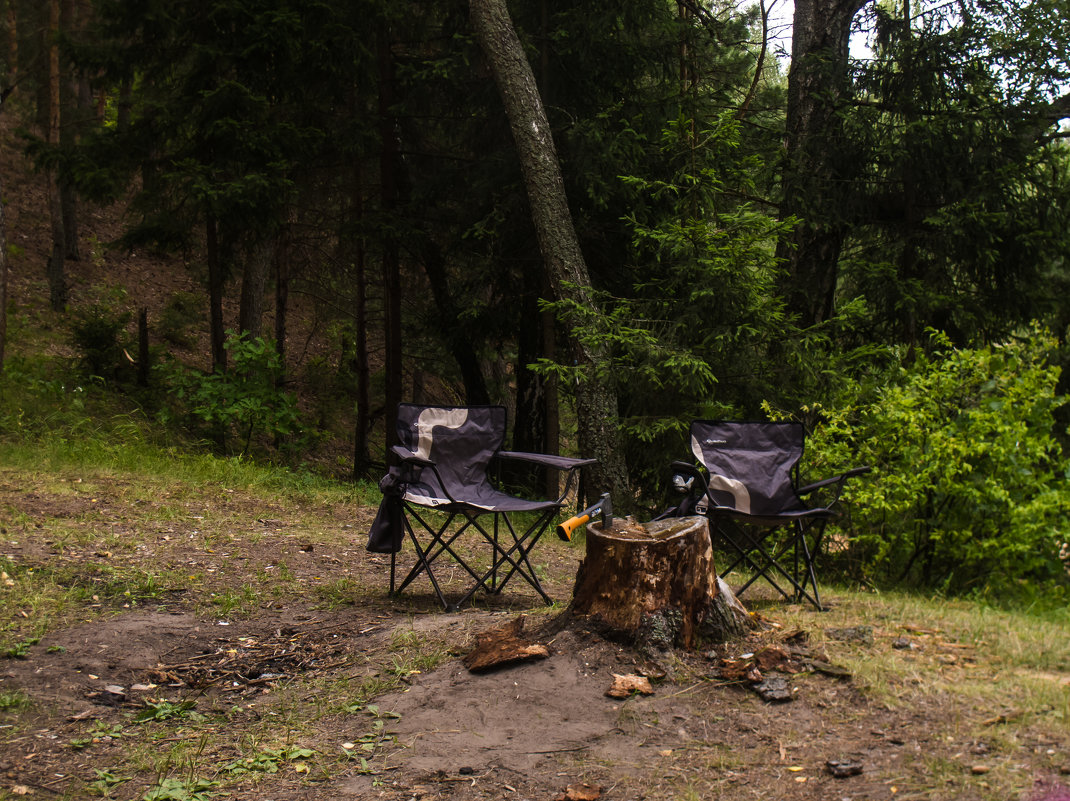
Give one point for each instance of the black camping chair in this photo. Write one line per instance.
(445, 457)
(749, 493)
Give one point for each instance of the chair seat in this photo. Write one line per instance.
(488, 500)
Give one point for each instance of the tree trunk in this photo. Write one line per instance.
(3, 274)
(12, 43)
(361, 368)
(57, 280)
(216, 279)
(391, 267)
(654, 584)
(254, 281)
(143, 347)
(815, 166)
(459, 340)
(596, 398)
(282, 298)
(72, 120)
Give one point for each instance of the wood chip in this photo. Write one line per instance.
(625, 686)
(503, 646)
(580, 792)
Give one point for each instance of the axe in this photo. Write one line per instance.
(602, 506)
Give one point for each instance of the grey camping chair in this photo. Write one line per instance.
(445, 455)
(748, 489)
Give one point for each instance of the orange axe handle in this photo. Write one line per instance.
(564, 531)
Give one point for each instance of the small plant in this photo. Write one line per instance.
(99, 731)
(158, 711)
(178, 790)
(183, 312)
(369, 741)
(98, 331)
(20, 650)
(14, 699)
(266, 761)
(339, 592)
(105, 782)
(230, 601)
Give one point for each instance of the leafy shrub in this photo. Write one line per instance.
(970, 487)
(243, 401)
(182, 313)
(98, 331)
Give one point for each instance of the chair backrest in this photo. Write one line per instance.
(460, 440)
(751, 465)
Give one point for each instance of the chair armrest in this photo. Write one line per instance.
(547, 460)
(827, 482)
(408, 457)
(837, 481)
(560, 463)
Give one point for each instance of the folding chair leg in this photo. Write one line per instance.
(772, 562)
(521, 546)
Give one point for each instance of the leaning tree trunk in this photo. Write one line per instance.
(655, 584)
(596, 398)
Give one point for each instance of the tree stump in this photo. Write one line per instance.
(655, 584)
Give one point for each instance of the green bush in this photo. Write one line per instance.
(98, 331)
(184, 311)
(241, 402)
(969, 491)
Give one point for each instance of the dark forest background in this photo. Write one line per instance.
(868, 234)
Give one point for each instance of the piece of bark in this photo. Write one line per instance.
(625, 686)
(580, 792)
(774, 690)
(503, 646)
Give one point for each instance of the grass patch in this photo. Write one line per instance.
(14, 701)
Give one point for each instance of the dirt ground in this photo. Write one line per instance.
(318, 667)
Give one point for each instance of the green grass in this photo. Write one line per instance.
(14, 700)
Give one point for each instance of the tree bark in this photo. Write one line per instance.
(391, 268)
(596, 398)
(216, 279)
(57, 279)
(3, 274)
(814, 169)
(653, 584)
(361, 368)
(254, 281)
